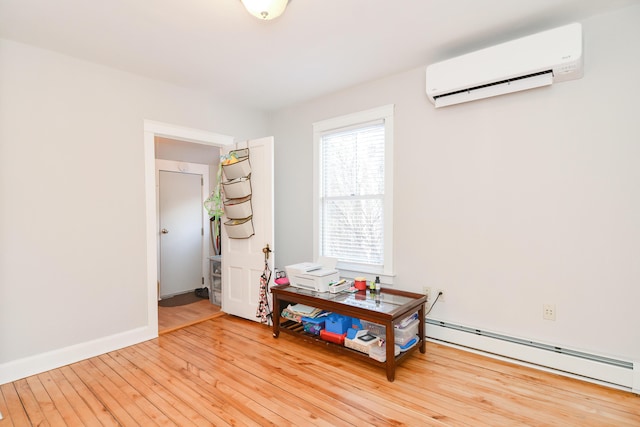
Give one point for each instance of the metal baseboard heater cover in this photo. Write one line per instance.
(625, 367)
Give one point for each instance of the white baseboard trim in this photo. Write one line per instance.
(622, 378)
(32, 365)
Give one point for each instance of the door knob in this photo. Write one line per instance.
(164, 231)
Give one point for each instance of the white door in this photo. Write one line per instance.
(243, 260)
(181, 232)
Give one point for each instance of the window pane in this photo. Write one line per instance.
(352, 230)
(353, 162)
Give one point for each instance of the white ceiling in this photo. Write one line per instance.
(316, 47)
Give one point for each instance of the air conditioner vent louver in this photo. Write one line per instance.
(507, 81)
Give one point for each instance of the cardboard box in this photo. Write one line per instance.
(362, 342)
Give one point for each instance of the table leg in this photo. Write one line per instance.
(421, 328)
(391, 356)
(276, 316)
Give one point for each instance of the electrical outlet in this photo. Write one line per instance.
(549, 311)
(427, 291)
(432, 294)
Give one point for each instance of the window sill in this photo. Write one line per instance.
(350, 272)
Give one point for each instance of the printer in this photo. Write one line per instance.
(314, 276)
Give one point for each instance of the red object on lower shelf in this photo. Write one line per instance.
(333, 337)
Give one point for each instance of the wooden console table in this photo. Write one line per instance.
(386, 308)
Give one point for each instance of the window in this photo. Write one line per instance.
(353, 180)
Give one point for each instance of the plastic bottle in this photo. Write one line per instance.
(377, 283)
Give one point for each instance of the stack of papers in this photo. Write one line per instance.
(298, 311)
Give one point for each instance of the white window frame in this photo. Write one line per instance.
(385, 113)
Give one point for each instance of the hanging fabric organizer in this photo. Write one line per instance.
(237, 194)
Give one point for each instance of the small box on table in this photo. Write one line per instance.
(379, 352)
(332, 337)
(374, 328)
(313, 325)
(337, 323)
(406, 334)
(362, 342)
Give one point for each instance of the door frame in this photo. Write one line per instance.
(151, 130)
(194, 169)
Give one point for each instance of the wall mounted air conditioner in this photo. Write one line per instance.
(533, 61)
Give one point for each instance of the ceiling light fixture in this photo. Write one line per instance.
(265, 9)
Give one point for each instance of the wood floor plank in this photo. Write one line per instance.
(127, 398)
(173, 318)
(167, 390)
(94, 382)
(236, 411)
(181, 386)
(30, 403)
(230, 371)
(76, 402)
(13, 411)
(100, 412)
(563, 387)
(261, 384)
(234, 383)
(65, 411)
(311, 362)
(309, 375)
(51, 413)
(131, 396)
(163, 399)
(526, 409)
(523, 386)
(303, 408)
(282, 389)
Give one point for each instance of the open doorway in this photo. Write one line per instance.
(180, 146)
(185, 247)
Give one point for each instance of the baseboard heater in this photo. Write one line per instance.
(609, 371)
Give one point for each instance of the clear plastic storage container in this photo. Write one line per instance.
(404, 335)
(379, 353)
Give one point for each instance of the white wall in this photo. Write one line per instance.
(72, 194)
(505, 203)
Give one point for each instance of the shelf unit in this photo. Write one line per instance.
(215, 278)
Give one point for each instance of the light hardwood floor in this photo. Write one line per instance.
(172, 318)
(229, 371)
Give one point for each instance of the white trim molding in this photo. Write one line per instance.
(22, 368)
(186, 134)
(384, 113)
(166, 130)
